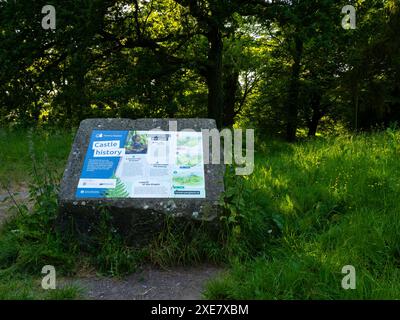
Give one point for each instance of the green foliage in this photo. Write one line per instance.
(249, 227)
(187, 243)
(97, 65)
(287, 230)
(51, 146)
(109, 254)
(14, 286)
(29, 239)
(334, 202)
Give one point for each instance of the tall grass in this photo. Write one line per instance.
(335, 201)
(286, 232)
(52, 146)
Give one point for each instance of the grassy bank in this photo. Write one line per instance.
(336, 203)
(308, 209)
(18, 148)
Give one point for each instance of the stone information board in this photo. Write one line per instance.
(142, 171)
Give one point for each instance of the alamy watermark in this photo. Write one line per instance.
(349, 20)
(49, 280)
(233, 150)
(49, 20)
(349, 280)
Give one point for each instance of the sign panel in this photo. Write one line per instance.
(143, 164)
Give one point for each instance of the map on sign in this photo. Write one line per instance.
(143, 164)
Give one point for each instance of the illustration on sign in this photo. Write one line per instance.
(143, 164)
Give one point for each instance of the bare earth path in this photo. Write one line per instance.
(149, 284)
(177, 283)
(21, 195)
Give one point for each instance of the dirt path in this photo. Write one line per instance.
(21, 195)
(148, 284)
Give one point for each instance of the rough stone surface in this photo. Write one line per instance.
(136, 217)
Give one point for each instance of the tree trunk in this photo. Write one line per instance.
(317, 114)
(313, 124)
(214, 75)
(293, 93)
(356, 105)
(231, 79)
(80, 99)
(36, 107)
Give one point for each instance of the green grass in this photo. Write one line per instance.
(29, 288)
(308, 209)
(50, 146)
(336, 201)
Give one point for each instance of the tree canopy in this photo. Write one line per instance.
(279, 66)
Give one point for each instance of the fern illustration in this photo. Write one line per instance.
(118, 192)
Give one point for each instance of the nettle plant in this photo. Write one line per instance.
(246, 217)
(233, 201)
